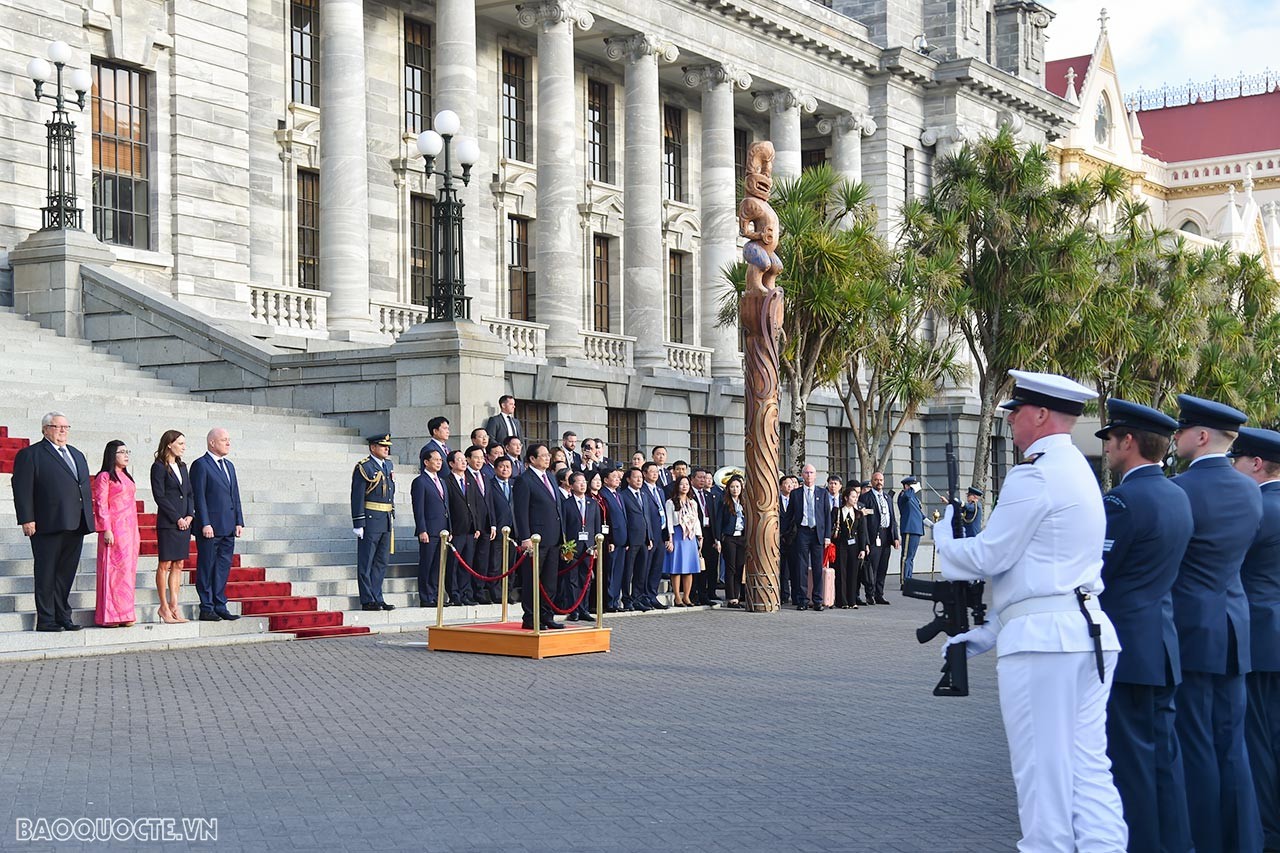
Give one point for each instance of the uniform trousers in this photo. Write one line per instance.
(910, 544)
(1055, 717)
(1262, 734)
(1221, 800)
(372, 552)
(56, 557)
(1147, 765)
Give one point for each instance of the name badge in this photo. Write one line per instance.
(851, 542)
(877, 540)
(582, 536)
(604, 528)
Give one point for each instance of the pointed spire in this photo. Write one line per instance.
(1135, 128)
(1103, 17)
(1071, 96)
(1248, 183)
(1234, 226)
(1273, 230)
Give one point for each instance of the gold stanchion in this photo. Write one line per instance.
(441, 592)
(506, 555)
(599, 581)
(536, 568)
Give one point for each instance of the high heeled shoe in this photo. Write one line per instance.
(168, 618)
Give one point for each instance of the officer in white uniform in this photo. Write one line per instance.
(1042, 553)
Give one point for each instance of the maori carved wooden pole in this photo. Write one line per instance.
(761, 314)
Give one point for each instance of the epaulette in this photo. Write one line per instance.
(364, 460)
(1115, 500)
(1031, 460)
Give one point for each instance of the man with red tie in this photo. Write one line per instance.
(537, 510)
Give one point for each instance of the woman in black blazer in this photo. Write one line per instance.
(731, 530)
(175, 508)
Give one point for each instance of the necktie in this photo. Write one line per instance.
(462, 483)
(582, 511)
(480, 483)
(66, 457)
(222, 463)
(439, 488)
(506, 490)
(808, 505)
(511, 429)
(547, 483)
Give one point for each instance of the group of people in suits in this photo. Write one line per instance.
(58, 504)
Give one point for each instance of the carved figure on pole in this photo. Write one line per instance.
(761, 315)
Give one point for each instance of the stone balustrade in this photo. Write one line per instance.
(606, 350)
(524, 340)
(288, 307)
(689, 360)
(396, 318)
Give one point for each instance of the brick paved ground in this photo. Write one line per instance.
(701, 731)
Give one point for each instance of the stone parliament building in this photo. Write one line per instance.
(261, 225)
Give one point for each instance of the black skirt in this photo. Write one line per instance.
(173, 544)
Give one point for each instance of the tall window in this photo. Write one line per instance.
(842, 453)
(811, 157)
(917, 455)
(999, 464)
(784, 448)
(673, 153)
(908, 173)
(675, 296)
(304, 35)
(308, 228)
(704, 442)
(515, 101)
(535, 417)
(600, 283)
(741, 142)
(417, 75)
(623, 434)
(420, 222)
(520, 281)
(598, 121)
(121, 155)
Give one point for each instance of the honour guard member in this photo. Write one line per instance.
(1148, 526)
(1256, 453)
(1042, 552)
(373, 514)
(971, 512)
(1212, 617)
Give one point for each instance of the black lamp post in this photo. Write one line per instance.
(449, 300)
(61, 210)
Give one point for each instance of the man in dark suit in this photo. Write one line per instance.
(659, 457)
(882, 530)
(536, 502)
(581, 524)
(704, 586)
(813, 533)
(1148, 526)
(615, 527)
(1256, 454)
(55, 510)
(464, 528)
(788, 553)
(1212, 618)
(430, 516)
(373, 514)
(515, 452)
(656, 504)
(644, 531)
(220, 520)
(440, 430)
(504, 424)
(498, 500)
(486, 592)
(569, 444)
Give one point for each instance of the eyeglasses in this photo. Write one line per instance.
(59, 427)
(123, 452)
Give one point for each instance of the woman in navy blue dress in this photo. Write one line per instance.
(683, 534)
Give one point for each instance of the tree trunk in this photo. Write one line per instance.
(799, 420)
(982, 451)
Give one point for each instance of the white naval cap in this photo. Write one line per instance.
(1048, 390)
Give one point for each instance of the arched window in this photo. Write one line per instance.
(1190, 227)
(1102, 122)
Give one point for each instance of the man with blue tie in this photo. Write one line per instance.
(500, 515)
(220, 519)
(373, 515)
(655, 503)
(536, 504)
(910, 523)
(1256, 454)
(1149, 524)
(430, 517)
(644, 531)
(615, 527)
(1212, 617)
(812, 535)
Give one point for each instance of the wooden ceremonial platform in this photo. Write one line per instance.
(508, 638)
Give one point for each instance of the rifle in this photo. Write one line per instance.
(952, 600)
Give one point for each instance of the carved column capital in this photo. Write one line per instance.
(639, 45)
(547, 13)
(709, 77)
(847, 123)
(781, 100)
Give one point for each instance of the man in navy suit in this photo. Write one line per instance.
(1256, 454)
(813, 532)
(220, 519)
(616, 526)
(430, 516)
(581, 523)
(536, 503)
(644, 532)
(55, 510)
(1149, 524)
(655, 503)
(478, 496)
(1212, 617)
(464, 528)
(910, 522)
(439, 429)
(498, 500)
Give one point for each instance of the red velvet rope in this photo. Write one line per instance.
(486, 578)
(574, 564)
(586, 585)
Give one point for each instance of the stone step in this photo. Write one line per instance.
(59, 361)
(94, 401)
(83, 615)
(32, 645)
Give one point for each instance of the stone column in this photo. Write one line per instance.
(344, 167)
(846, 131)
(559, 292)
(784, 107)
(719, 205)
(643, 266)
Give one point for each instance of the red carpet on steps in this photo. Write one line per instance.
(9, 448)
(286, 613)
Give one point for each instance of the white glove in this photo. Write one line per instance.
(980, 639)
(358, 531)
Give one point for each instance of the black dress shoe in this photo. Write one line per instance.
(51, 629)
(470, 602)
(658, 605)
(818, 608)
(586, 617)
(553, 626)
(226, 615)
(802, 607)
(612, 609)
(70, 626)
(426, 602)
(386, 606)
(786, 599)
(870, 602)
(573, 617)
(483, 598)
(640, 607)
(209, 616)
(882, 601)
(527, 624)
(373, 605)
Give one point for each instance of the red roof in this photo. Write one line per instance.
(1055, 73)
(1212, 128)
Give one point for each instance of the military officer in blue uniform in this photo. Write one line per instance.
(971, 512)
(373, 514)
(910, 523)
(1212, 618)
(1256, 454)
(1148, 526)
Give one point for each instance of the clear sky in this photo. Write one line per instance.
(1172, 41)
